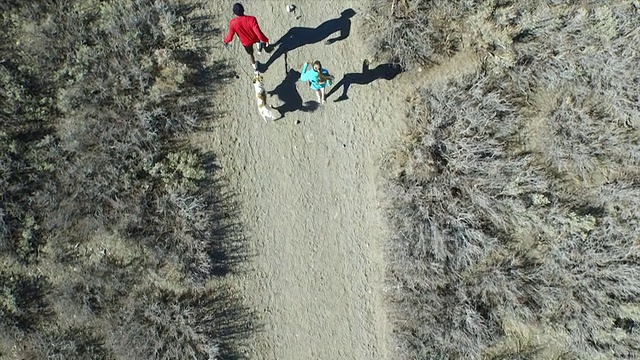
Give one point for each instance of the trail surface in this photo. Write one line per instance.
(307, 188)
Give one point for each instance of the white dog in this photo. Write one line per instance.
(261, 96)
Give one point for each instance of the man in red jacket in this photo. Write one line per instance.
(248, 32)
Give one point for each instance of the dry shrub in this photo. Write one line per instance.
(416, 32)
(515, 198)
(101, 194)
(79, 342)
(23, 301)
(169, 325)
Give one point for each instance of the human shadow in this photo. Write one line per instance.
(300, 36)
(287, 92)
(386, 71)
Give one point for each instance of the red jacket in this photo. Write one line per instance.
(247, 29)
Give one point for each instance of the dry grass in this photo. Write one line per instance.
(418, 31)
(515, 196)
(112, 229)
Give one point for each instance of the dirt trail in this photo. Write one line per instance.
(307, 193)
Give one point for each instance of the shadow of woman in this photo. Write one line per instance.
(386, 71)
(300, 36)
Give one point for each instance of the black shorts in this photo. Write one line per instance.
(249, 49)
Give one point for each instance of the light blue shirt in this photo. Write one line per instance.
(311, 76)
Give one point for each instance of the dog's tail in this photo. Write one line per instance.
(266, 112)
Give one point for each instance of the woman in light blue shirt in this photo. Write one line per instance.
(318, 78)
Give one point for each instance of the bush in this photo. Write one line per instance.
(23, 302)
(514, 195)
(418, 32)
(102, 198)
(170, 325)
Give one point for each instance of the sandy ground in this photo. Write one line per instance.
(307, 188)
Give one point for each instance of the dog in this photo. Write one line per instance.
(261, 96)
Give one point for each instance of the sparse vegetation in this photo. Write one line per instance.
(418, 31)
(112, 229)
(515, 196)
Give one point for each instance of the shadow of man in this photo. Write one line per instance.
(300, 36)
(288, 94)
(384, 71)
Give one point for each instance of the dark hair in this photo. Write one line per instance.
(238, 9)
(322, 78)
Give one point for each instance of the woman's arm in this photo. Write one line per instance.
(304, 74)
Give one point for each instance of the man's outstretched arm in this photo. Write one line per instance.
(230, 34)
